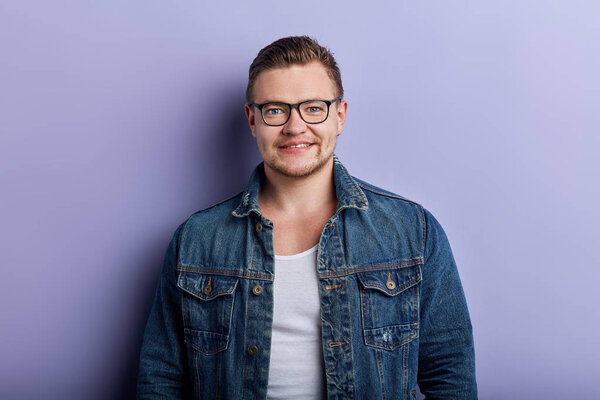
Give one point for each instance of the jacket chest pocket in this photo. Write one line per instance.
(207, 307)
(389, 301)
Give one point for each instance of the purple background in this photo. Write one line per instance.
(120, 119)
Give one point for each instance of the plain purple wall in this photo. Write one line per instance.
(120, 119)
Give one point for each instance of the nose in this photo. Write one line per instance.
(295, 124)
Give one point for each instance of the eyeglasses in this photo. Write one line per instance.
(311, 111)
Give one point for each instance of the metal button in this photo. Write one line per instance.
(259, 227)
(257, 290)
(390, 285)
(207, 289)
(252, 350)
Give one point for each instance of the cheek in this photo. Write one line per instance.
(333, 131)
(262, 141)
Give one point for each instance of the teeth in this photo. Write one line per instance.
(296, 146)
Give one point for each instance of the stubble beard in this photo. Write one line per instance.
(316, 164)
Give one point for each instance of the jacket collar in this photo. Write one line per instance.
(349, 194)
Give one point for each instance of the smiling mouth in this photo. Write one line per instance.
(297, 146)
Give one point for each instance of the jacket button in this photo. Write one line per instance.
(390, 285)
(257, 290)
(207, 289)
(252, 350)
(259, 227)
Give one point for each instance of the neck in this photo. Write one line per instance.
(291, 195)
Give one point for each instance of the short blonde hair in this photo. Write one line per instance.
(293, 50)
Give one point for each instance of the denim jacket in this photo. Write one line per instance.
(393, 312)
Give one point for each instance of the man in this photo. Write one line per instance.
(310, 283)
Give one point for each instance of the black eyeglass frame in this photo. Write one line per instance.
(296, 106)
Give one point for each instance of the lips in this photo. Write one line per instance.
(296, 146)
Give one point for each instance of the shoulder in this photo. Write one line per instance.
(212, 217)
(204, 236)
(376, 195)
(394, 205)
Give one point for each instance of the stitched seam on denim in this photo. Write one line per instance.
(337, 386)
(183, 317)
(336, 360)
(367, 268)
(245, 347)
(341, 354)
(352, 383)
(412, 337)
(230, 318)
(397, 290)
(337, 330)
(198, 386)
(330, 306)
(226, 272)
(381, 374)
(349, 179)
(404, 369)
(253, 247)
(372, 189)
(335, 297)
(218, 382)
(364, 309)
(401, 262)
(418, 294)
(201, 295)
(356, 186)
(325, 238)
(245, 208)
(189, 332)
(423, 228)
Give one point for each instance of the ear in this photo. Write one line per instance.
(249, 110)
(341, 111)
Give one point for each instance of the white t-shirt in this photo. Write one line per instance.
(296, 368)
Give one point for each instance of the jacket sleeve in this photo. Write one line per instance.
(446, 351)
(163, 361)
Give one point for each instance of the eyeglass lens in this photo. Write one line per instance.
(313, 112)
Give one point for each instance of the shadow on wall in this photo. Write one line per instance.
(229, 147)
(125, 374)
(227, 155)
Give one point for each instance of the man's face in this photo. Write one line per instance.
(293, 85)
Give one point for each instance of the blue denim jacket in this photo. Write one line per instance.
(393, 312)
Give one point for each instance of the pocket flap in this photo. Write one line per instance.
(206, 287)
(391, 281)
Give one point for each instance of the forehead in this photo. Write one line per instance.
(294, 83)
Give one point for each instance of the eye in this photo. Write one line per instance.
(274, 111)
(314, 107)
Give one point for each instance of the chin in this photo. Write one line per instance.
(299, 171)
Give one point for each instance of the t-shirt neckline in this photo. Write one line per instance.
(299, 255)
